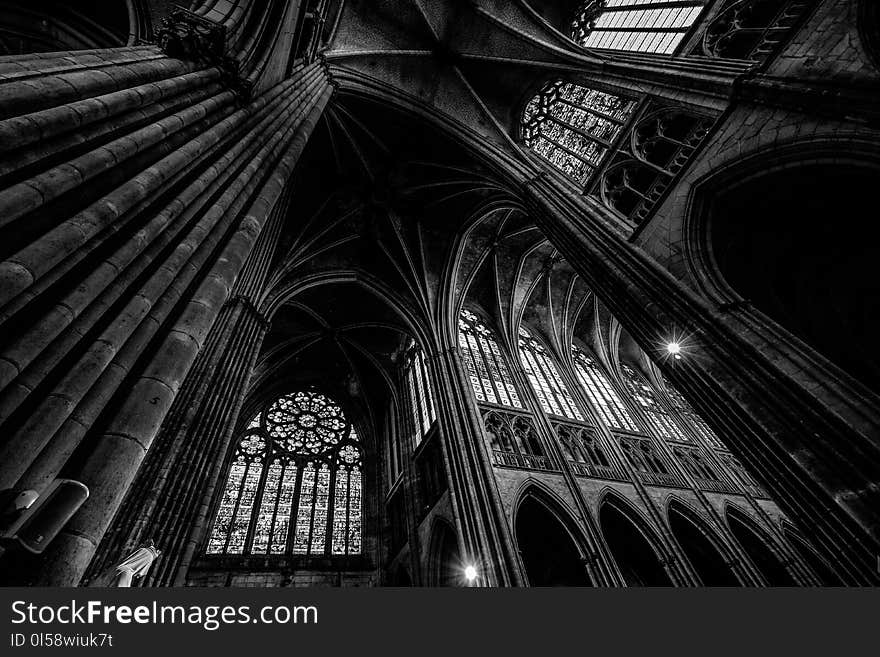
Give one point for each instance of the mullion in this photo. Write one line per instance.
(294, 509)
(668, 4)
(317, 465)
(556, 386)
(589, 110)
(583, 133)
(574, 154)
(347, 509)
(498, 368)
(424, 366)
(247, 467)
(331, 509)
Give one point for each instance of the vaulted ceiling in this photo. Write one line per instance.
(396, 224)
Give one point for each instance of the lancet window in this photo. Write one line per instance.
(421, 398)
(489, 375)
(552, 393)
(647, 398)
(600, 392)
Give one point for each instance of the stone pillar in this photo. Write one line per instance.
(169, 500)
(485, 534)
(145, 311)
(820, 469)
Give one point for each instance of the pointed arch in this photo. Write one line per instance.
(759, 546)
(707, 553)
(444, 564)
(551, 545)
(634, 544)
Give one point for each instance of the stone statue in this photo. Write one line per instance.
(136, 564)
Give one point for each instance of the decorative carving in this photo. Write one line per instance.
(586, 454)
(643, 456)
(186, 35)
(752, 29)
(660, 144)
(514, 441)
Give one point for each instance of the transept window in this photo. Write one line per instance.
(552, 393)
(600, 392)
(639, 25)
(645, 396)
(421, 399)
(295, 483)
(485, 364)
(573, 127)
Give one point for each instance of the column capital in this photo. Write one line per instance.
(186, 35)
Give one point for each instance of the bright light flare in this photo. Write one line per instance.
(470, 573)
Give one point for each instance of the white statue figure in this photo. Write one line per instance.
(136, 564)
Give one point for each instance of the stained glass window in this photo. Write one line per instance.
(573, 127)
(421, 398)
(640, 25)
(645, 396)
(601, 393)
(294, 485)
(485, 364)
(552, 393)
(697, 423)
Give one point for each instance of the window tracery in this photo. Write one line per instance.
(625, 151)
(696, 422)
(696, 463)
(646, 397)
(752, 29)
(573, 127)
(295, 483)
(421, 398)
(485, 363)
(636, 25)
(587, 456)
(645, 458)
(600, 392)
(552, 393)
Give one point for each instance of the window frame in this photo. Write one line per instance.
(299, 461)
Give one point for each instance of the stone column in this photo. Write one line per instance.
(172, 330)
(170, 498)
(820, 469)
(485, 535)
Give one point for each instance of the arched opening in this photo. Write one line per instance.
(633, 553)
(777, 241)
(702, 552)
(756, 546)
(445, 565)
(816, 563)
(548, 551)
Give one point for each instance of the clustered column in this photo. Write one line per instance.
(485, 533)
(134, 188)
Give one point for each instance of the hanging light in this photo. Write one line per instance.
(470, 573)
(674, 349)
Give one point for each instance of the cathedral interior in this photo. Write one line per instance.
(439, 293)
